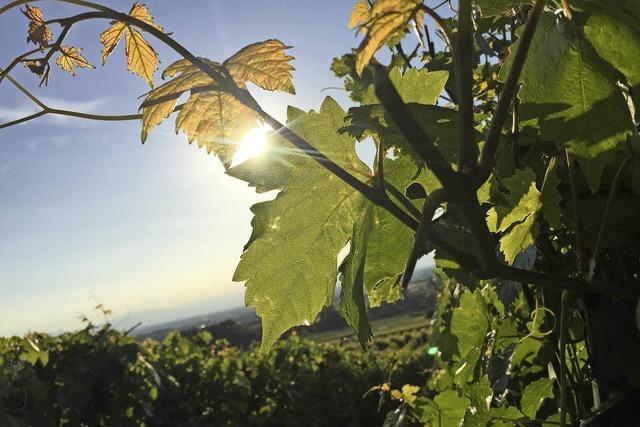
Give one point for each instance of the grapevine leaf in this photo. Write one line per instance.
(387, 19)
(265, 64)
(446, 410)
(389, 242)
(550, 197)
(534, 395)
(70, 58)
(38, 32)
(142, 59)
(480, 394)
(612, 25)
(469, 323)
(353, 307)
(497, 7)
(212, 116)
(521, 200)
(516, 213)
(419, 86)
(110, 38)
(441, 124)
(499, 415)
(518, 238)
(572, 94)
(359, 14)
(289, 264)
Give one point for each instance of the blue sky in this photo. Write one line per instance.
(89, 215)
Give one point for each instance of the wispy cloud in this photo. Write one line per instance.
(56, 140)
(97, 105)
(9, 114)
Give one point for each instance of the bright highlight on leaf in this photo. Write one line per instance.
(385, 20)
(38, 32)
(141, 58)
(212, 116)
(252, 145)
(71, 58)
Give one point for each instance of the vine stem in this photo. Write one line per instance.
(17, 60)
(574, 204)
(605, 215)
(566, 301)
(467, 149)
(448, 34)
(433, 201)
(488, 154)
(45, 109)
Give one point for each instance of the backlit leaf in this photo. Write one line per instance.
(290, 265)
(71, 57)
(38, 32)
(212, 116)
(265, 64)
(359, 14)
(534, 395)
(142, 59)
(386, 19)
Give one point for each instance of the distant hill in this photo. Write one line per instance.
(241, 326)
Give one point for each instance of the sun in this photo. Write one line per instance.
(253, 144)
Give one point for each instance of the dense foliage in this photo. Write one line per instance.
(101, 377)
(510, 148)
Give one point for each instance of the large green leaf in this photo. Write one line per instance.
(419, 86)
(534, 395)
(614, 32)
(571, 92)
(383, 247)
(289, 264)
(469, 323)
(389, 241)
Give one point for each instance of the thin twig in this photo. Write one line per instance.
(23, 119)
(487, 157)
(605, 215)
(45, 109)
(17, 60)
(448, 33)
(433, 201)
(467, 148)
(25, 91)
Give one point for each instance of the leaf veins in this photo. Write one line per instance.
(71, 58)
(212, 116)
(142, 59)
(385, 20)
(38, 32)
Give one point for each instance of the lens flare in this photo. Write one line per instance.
(252, 145)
